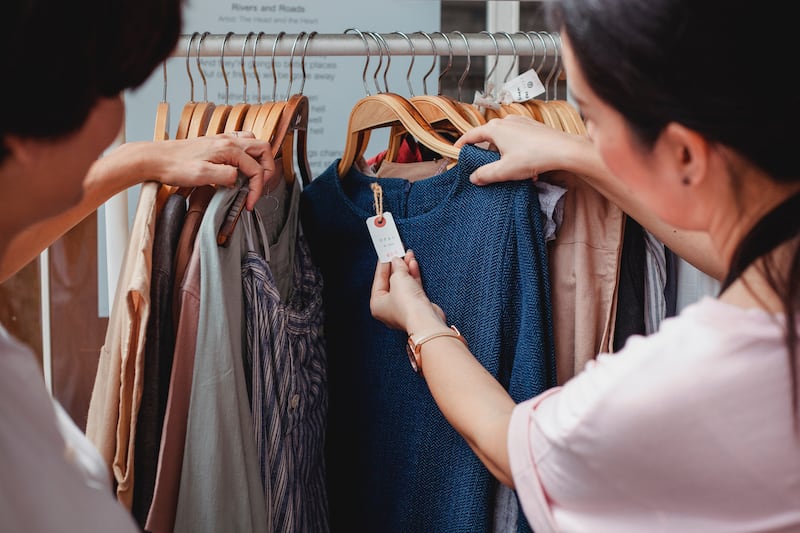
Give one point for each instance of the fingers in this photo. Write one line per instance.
(380, 284)
(412, 264)
(474, 136)
(499, 171)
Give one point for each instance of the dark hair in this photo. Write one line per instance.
(58, 58)
(717, 67)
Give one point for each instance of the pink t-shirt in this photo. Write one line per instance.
(688, 430)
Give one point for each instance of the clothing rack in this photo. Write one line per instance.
(544, 44)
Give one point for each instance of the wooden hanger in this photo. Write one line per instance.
(388, 109)
(294, 119)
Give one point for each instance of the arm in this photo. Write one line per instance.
(470, 398)
(557, 150)
(192, 162)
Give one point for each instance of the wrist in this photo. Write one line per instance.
(424, 320)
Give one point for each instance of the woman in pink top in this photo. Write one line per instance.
(692, 122)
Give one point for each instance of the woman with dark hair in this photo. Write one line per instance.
(697, 426)
(64, 67)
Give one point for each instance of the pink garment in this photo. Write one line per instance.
(689, 429)
(117, 393)
(173, 434)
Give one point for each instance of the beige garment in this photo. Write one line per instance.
(114, 406)
(584, 270)
(413, 171)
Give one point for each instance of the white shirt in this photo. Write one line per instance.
(687, 430)
(50, 477)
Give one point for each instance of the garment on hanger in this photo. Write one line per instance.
(159, 345)
(220, 485)
(161, 516)
(584, 262)
(285, 347)
(114, 406)
(483, 260)
(630, 309)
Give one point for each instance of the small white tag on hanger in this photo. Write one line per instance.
(385, 237)
(526, 86)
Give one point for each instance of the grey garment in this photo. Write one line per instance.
(506, 510)
(279, 220)
(220, 486)
(655, 281)
(551, 204)
(693, 285)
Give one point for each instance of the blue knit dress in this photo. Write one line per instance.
(394, 463)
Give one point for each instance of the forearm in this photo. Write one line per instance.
(471, 400)
(115, 172)
(693, 246)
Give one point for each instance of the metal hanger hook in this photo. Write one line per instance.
(188, 69)
(411, 64)
(222, 64)
(303, 60)
(469, 63)
(433, 63)
(200, 67)
(255, 68)
(496, 60)
(244, 74)
(291, 62)
(275, 74)
(449, 61)
(514, 51)
(366, 63)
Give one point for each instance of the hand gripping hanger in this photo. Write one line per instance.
(293, 118)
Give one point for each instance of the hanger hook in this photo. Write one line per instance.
(189, 70)
(533, 47)
(433, 63)
(381, 45)
(513, 50)
(466, 69)
(244, 74)
(164, 66)
(275, 74)
(303, 59)
(496, 61)
(222, 64)
(366, 63)
(552, 68)
(558, 65)
(411, 64)
(449, 61)
(291, 62)
(200, 68)
(255, 68)
(544, 53)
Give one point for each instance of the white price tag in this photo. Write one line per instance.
(526, 86)
(385, 237)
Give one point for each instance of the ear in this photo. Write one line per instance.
(23, 151)
(687, 151)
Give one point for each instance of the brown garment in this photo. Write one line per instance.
(114, 405)
(584, 267)
(198, 201)
(161, 517)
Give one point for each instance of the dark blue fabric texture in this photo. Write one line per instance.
(394, 463)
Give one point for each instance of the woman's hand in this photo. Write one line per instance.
(215, 159)
(398, 299)
(527, 148)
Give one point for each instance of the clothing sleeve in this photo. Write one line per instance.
(557, 439)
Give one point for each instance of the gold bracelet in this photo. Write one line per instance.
(414, 346)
